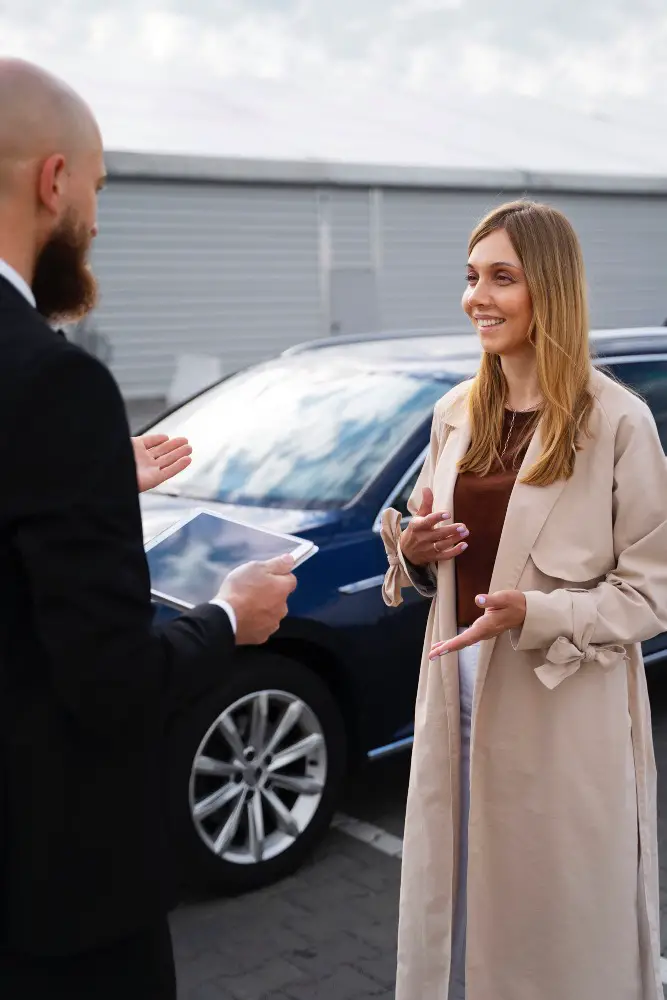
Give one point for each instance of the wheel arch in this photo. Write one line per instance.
(329, 668)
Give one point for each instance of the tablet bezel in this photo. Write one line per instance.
(302, 550)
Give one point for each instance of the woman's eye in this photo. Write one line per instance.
(503, 277)
(471, 277)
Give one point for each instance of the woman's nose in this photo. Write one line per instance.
(479, 294)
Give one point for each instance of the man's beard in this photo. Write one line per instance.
(64, 286)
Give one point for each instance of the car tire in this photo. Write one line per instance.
(266, 686)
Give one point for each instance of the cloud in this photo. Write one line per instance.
(590, 49)
(137, 56)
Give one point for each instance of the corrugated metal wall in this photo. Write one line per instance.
(350, 260)
(425, 235)
(348, 215)
(226, 270)
(424, 242)
(624, 239)
(241, 272)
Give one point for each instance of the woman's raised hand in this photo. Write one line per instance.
(429, 538)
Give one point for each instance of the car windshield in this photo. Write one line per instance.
(298, 432)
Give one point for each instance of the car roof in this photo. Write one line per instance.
(443, 350)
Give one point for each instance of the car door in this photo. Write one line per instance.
(647, 375)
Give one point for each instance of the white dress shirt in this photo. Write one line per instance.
(22, 286)
(19, 283)
(226, 606)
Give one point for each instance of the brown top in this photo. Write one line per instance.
(480, 502)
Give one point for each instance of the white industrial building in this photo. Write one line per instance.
(237, 257)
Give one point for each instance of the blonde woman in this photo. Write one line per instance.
(530, 867)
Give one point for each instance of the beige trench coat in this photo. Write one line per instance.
(563, 867)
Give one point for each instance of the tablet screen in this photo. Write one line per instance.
(187, 564)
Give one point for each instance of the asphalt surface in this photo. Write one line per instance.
(329, 932)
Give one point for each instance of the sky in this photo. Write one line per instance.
(160, 73)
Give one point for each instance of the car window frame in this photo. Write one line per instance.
(618, 359)
(415, 466)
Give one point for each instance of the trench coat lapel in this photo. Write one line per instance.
(458, 441)
(457, 444)
(456, 419)
(527, 511)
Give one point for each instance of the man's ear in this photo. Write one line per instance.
(52, 183)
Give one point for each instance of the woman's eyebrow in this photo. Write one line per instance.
(499, 263)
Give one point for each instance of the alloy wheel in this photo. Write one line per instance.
(258, 777)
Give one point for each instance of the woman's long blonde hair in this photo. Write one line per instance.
(551, 257)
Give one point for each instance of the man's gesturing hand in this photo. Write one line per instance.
(427, 539)
(258, 594)
(503, 610)
(159, 458)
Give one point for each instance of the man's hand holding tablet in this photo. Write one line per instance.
(188, 560)
(258, 594)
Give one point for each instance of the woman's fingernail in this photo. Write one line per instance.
(464, 534)
(481, 599)
(464, 546)
(462, 530)
(446, 515)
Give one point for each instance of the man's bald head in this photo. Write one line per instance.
(51, 170)
(41, 115)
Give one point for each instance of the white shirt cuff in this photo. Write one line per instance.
(226, 606)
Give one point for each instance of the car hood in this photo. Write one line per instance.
(159, 511)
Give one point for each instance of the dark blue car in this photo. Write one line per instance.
(318, 442)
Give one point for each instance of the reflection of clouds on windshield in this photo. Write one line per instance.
(295, 431)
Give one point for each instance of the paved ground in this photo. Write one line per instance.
(329, 932)
(326, 934)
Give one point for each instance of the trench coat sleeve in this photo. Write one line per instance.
(402, 573)
(630, 605)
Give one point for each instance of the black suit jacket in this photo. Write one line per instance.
(87, 683)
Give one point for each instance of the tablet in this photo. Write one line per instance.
(189, 560)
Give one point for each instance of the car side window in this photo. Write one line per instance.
(400, 501)
(649, 379)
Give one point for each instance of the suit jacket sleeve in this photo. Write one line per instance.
(630, 605)
(75, 524)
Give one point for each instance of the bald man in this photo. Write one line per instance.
(87, 682)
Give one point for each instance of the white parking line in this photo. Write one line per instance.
(369, 834)
(663, 969)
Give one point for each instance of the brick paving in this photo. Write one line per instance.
(327, 933)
